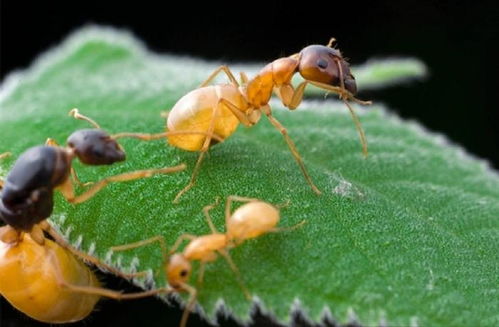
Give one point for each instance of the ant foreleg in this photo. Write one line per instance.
(291, 146)
(69, 193)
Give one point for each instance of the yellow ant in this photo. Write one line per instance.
(48, 283)
(218, 109)
(42, 278)
(248, 221)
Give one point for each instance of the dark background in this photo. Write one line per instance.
(457, 40)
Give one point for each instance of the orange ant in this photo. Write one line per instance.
(218, 109)
(42, 278)
(248, 221)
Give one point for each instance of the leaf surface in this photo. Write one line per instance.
(408, 235)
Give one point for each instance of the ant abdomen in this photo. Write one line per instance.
(29, 211)
(252, 220)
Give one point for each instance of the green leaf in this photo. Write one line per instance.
(407, 236)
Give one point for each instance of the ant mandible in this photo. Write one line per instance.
(44, 280)
(250, 220)
(219, 109)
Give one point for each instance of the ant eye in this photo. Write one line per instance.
(183, 273)
(321, 63)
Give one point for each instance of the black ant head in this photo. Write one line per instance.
(95, 147)
(178, 270)
(321, 64)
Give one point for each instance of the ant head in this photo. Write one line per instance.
(95, 147)
(321, 64)
(178, 270)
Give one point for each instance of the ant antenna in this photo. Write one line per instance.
(331, 42)
(75, 113)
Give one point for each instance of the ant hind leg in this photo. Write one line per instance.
(217, 71)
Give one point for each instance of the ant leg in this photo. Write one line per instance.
(150, 137)
(356, 120)
(290, 97)
(203, 150)
(291, 146)
(116, 295)
(100, 291)
(287, 229)
(240, 115)
(202, 266)
(84, 256)
(193, 177)
(190, 303)
(217, 71)
(244, 78)
(224, 253)
(113, 179)
(75, 113)
(160, 239)
(179, 241)
(206, 211)
(74, 175)
(51, 142)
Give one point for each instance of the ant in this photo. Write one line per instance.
(45, 279)
(50, 284)
(219, 109)
(250, 220)
(27, 196)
